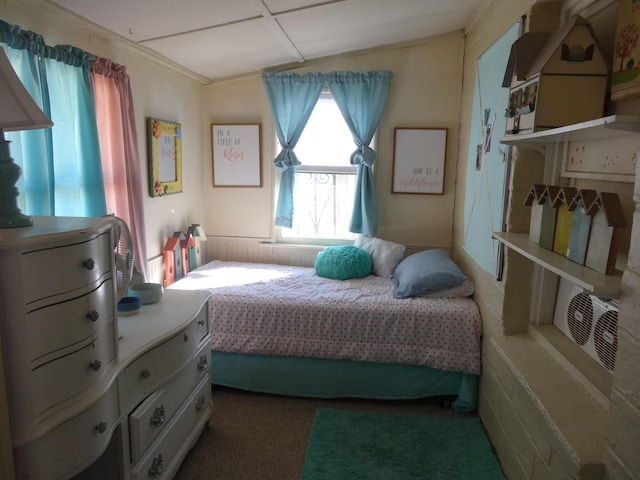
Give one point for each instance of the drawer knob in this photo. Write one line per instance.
(93, 315)
(101, 427)
(146, 373)
(155, 470)
(89, 263)
(186, 337)
(203, 364)
(95, 365)
(201, 322)
(200, 403)
(158, 417)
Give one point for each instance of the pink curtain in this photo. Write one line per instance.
(119, 149)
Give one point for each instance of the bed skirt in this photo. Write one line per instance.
(321, 378)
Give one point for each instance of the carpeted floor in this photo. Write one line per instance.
(264, 437)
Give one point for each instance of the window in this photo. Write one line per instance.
(325, 182)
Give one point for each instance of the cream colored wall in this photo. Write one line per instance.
(425, 92)
(157, 92)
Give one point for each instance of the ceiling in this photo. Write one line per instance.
(221, 39)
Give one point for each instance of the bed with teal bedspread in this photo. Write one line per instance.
(283, 330)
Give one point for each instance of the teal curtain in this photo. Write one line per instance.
(61, 168)
(361, 97)
(292, 98)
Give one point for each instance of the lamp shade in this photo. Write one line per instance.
(18, 111)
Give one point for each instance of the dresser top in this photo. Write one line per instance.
(55, 229)
(158, 322)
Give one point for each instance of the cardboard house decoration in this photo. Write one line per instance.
(543, 215)
(583, 208)
(607, 221)
(555, 79)
(178, 258)
(171, 251)
(186, 246)
(561, 202)
(196, 256)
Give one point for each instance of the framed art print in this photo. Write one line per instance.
(418, 160)
(236, 155)
(164, 149)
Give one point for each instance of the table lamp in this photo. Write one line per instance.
(18, 111)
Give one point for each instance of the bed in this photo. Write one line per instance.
(287, 330)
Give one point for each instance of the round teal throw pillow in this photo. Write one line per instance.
(343, 262)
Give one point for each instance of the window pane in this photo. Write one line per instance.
(322, 206)
(326, 139)
(324, 187)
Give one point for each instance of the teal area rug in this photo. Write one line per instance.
(346, 445)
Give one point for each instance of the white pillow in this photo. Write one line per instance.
(384, 255)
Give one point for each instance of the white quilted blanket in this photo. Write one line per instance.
(290, 311)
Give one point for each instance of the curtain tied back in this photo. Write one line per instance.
(361, 97)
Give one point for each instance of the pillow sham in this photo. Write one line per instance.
(343, 262)
(426, 272)
(385, 255)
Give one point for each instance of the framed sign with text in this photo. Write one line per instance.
(236, 155)
(164, 149)
(418, 160)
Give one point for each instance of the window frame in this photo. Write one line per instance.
(326, 169)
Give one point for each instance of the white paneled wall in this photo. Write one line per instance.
(155, 270)
(260, 250)
(257, 250)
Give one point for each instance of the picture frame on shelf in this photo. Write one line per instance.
(164, 150)
(236, 155)
(419, 160)
(625, 70)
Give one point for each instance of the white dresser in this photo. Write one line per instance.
(90, 394)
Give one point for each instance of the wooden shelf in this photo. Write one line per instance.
(605, 286)
(599, 129)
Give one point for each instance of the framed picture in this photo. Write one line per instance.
(625, 71)
(418, 160)
(236, 155)
(164, 146)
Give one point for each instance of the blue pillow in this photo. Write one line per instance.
(343, 262)
(426, 272)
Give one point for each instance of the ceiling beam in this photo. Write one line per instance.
(277, 28)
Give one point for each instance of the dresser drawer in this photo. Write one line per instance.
(69, 324)
(201, 323)
(70, 444)
(65, 269)
(67, 376)
(150, 418)
(153, 368)
(160, 462)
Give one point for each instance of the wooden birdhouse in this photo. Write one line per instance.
(583, 208)
(171, 252)
(555, 79)
(561, 202)
(196, 256)
(606, 224)
(186, 246)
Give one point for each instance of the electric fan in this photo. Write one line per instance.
(126, 272)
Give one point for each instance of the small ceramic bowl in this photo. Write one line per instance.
(147, 292)
(128, 306)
